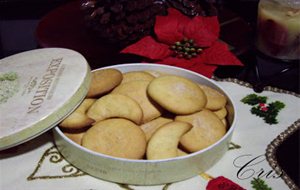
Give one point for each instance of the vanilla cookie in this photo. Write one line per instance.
(181, 152)
(137, 90)
(150, 127)
(154, 73)
(74, 135)
(136, 75)
(78, 118)
(215, 99)
(164, 142)
(207, 129)
(116, 105)
(177, 94)
(221, 113)
(104, 81)
(224, 121)
(116, 137)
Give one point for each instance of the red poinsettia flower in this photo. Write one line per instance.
(222, 183)
(190, 43)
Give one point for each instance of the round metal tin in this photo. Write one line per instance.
(149, 172)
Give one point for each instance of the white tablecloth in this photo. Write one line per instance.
(37, 165)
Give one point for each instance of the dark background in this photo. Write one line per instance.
(19, 19)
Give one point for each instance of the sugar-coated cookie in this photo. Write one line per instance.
(151, 126)
(177, 94)
(116, 105)
(137, 90)
(78, 118)
(116, 137)
(164, 142)
(104, 81)
(136, 75)
(215, 99)
(207, 129)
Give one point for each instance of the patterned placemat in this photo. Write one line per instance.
(249, 162)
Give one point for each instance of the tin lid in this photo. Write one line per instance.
(38, 89)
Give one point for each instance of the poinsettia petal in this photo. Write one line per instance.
(183, 63)
(148, 47)
(203, 30)
(223, 182)
(169, 29)
(203, 69)
(212, 24)
(194, 64)
(219, 54)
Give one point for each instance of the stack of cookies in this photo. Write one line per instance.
(147, 115)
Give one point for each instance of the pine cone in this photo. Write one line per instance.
(121, 21)
(193, 7)
(126, 21)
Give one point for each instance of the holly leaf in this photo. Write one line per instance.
(256, 111)
(259, 184)
(253, 99)
(277, 105)
(273, 110)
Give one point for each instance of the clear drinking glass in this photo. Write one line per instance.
(278, 29)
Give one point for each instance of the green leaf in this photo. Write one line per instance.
(277, 105)
(260, 108)
(253, 99)
(259, 184)
(256, 111)
(273, 110)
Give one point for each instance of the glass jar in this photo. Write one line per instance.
(278, 29)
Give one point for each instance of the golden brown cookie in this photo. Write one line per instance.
(104, 81)
(116, 105)
(207, 129)
(116, 137)
(181, 152)
(79, 119)
(75, 135)
(215, 99)
(164, 142)
(136, 75)
(224, 121)
(150, 127)
(221, 113)
(137, 90)
(177, 94)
